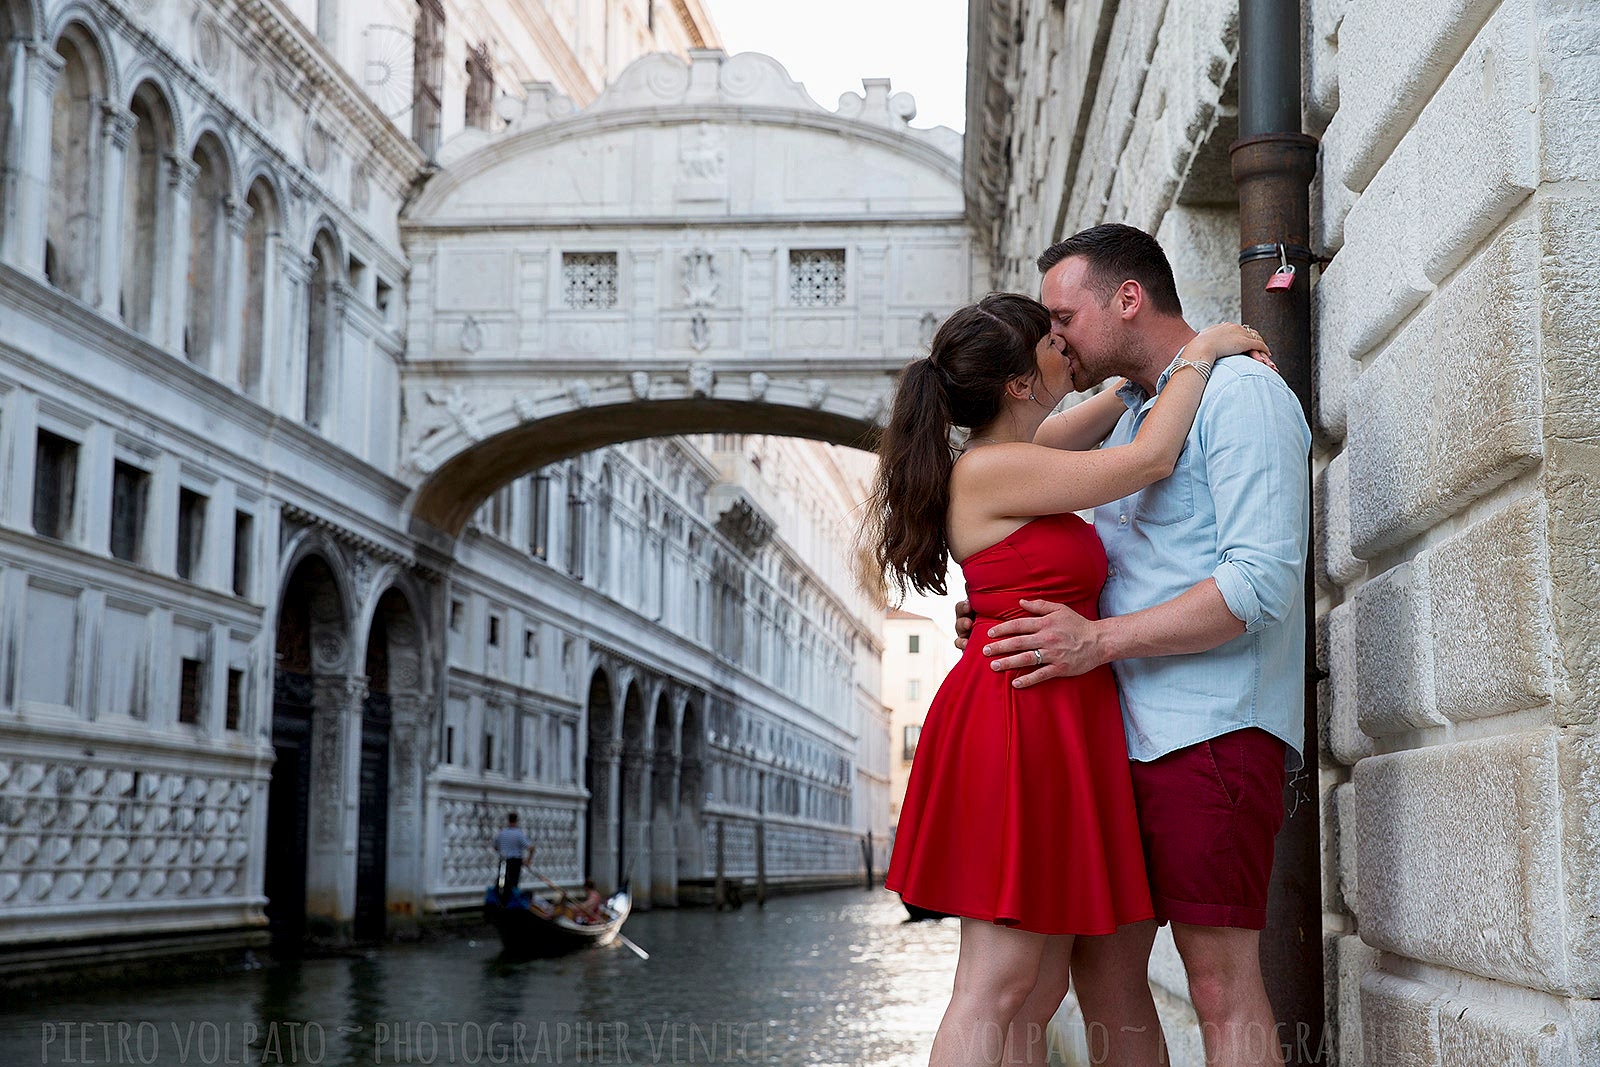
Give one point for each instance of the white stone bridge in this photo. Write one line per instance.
(703, 248)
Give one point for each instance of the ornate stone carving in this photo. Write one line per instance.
(209, 44)
(701, 379)
(239, 213)
(466, 862)
(363, 568)
(328, 649)
(460, 409)
(699, 332)
(181, 175)
(581, 392)
(816, 391)
(117, 124)
(102, 834)
(743, 523)
(759, 381)
(361, 187)
(639, 381)
(318, 147)
(263, 97)
(471, 336)
(873, 410)
(700, 279)
(702, 156)
(927, 328)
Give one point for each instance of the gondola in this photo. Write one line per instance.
(530, 928)
(918, 915)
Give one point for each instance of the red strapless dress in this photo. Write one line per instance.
(1019, 809)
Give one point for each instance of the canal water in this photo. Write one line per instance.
(836, 978)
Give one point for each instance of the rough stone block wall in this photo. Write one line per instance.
(1456, 467)
(1457, 470)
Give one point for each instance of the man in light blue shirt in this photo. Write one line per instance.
(1203, 620)
(514, 848)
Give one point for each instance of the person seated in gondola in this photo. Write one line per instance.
(585, 911)
(589, 906)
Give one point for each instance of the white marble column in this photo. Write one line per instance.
(181, 175)
(116, 129)
(35, 68)
(636, 795)
(691, 839)
(335, 795)
(603, 832)
(231, 328)
(405, 883)
(663, 831)
(284, 384)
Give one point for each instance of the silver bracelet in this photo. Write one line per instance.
(1179, 362)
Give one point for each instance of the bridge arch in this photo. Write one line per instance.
(703, 248)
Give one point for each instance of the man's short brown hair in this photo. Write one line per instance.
(1115, 254)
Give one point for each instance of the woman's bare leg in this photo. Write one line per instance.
(1027, 1041)
(995, 975)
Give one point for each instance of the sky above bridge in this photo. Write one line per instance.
(830, 45)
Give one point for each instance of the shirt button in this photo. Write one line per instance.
(1111, 572)
(1123, 519)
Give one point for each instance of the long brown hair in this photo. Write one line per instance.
(961, 382)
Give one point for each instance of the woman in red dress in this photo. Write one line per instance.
(1019, 813)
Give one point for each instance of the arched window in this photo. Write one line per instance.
(252, 334)
(144, 209)
(70, 230)
(321, 345)
(207, 234)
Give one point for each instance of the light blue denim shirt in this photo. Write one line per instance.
(1236, 509)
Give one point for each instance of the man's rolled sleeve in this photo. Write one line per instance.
(1239, 595)
(1256, 442)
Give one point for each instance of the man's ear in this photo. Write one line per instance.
(1129, 299)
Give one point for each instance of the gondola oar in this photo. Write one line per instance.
(637, 951)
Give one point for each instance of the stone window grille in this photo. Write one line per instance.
(816, 277)
(589, 280)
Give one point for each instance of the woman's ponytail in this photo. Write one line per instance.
(962, 382)
(904, 535)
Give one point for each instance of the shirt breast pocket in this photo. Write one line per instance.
(1171, 499)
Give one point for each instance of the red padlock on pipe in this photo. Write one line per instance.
(1282, 279)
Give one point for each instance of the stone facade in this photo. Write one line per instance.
(1454, 457)
(242, 683)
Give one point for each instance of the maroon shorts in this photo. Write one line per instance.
(1208, 815)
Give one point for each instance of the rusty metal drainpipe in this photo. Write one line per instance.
(1273, 163)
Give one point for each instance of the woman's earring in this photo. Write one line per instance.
(1030, 395)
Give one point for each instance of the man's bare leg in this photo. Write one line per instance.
(1112, 977)
(1236, 1019)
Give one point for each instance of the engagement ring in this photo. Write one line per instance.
(1038, 658)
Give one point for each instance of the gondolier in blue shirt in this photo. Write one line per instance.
(513, 846)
